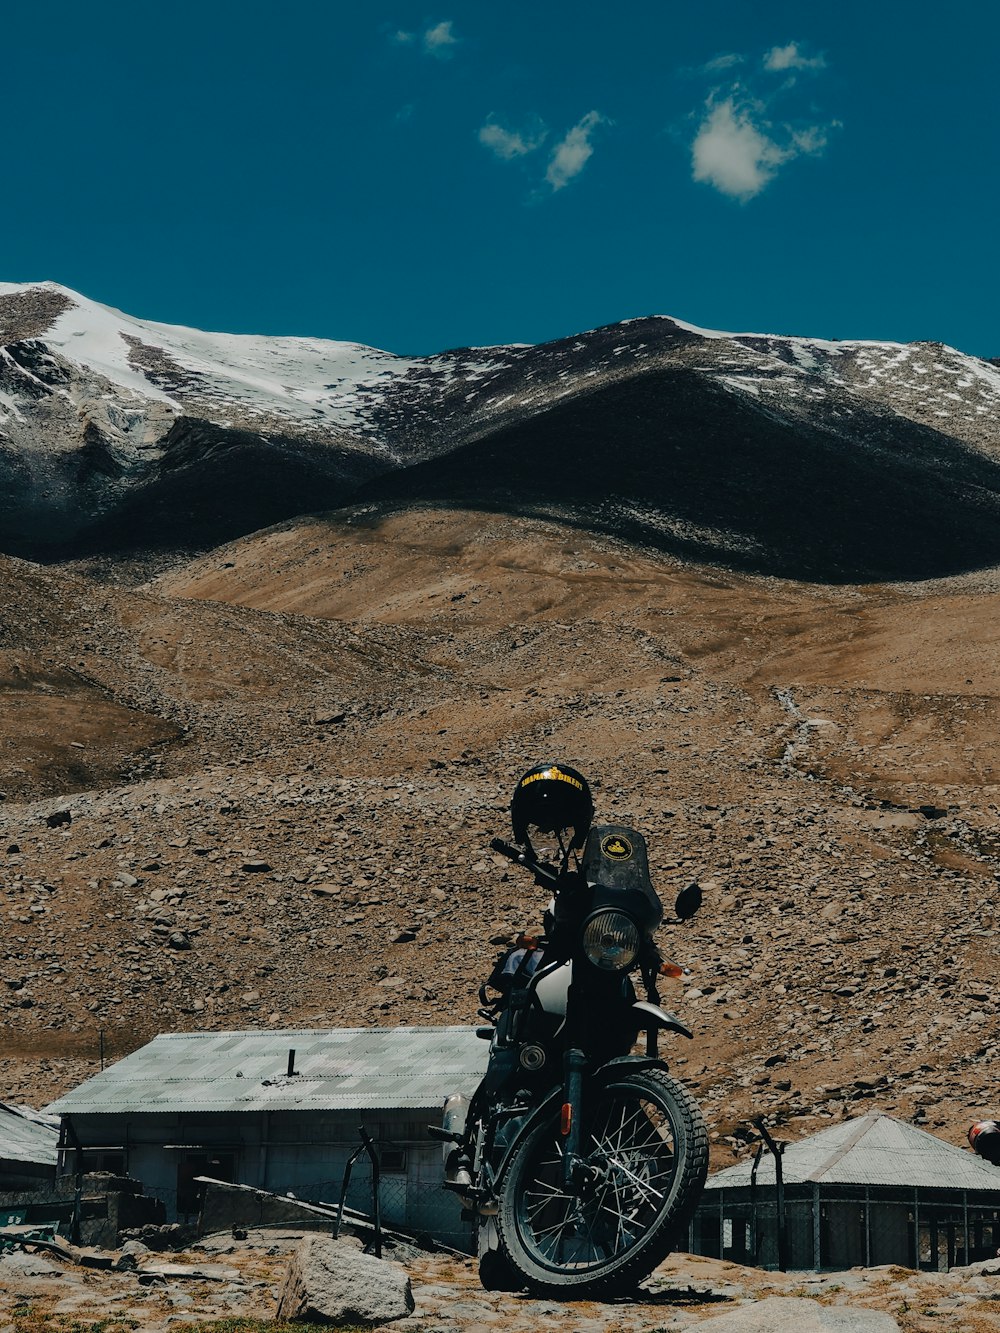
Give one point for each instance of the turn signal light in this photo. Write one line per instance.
(671, 970)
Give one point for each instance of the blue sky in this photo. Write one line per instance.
(423, 177)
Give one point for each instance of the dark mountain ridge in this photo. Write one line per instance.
(827, 461)
(669, 461)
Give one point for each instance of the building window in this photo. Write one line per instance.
(392, 1160)
(113, 1162)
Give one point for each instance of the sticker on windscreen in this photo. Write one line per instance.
(616, 847)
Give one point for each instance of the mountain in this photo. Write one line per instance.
(834, 461)
(260, 789)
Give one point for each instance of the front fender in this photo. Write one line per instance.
(631, 1063)
(651, 1015)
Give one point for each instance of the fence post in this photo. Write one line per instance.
(778, 1150)
(868, 1227)
(369, 1146)
(754, 1246)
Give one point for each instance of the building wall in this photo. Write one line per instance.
(302, 1152)
(25, 1175)
(834, 1228)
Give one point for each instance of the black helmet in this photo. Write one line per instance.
(552, 797)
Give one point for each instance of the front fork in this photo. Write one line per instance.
(570, 1125)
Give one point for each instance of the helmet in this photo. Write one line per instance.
(552, 797)
(984, 1136)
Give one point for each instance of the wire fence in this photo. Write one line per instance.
(413, 1202)
(840, 1231)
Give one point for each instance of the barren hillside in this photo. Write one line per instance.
(284, 763)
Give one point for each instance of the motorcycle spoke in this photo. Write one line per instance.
(629, 1164)
(645, 1189)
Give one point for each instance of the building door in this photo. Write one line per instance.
(842, 1235)
(220, 1166)
(891, 1234)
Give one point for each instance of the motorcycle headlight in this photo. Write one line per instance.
(611, 941)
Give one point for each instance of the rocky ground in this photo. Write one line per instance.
(224, 1279)
(283, 763)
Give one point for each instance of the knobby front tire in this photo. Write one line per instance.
(646, 1146)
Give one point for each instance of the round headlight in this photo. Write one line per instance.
(611, 941)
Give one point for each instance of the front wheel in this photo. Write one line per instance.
(643, 1161)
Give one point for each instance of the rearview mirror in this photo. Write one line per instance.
(688, 901)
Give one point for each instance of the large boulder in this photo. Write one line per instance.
(794, 1314)
(331, 1282)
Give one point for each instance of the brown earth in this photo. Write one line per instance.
(285, 761)
(224, 1285)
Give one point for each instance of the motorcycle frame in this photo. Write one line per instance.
(569, 1092)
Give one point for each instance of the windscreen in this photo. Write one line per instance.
(615, 857)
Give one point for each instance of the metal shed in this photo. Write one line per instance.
(28, 1148)
(279, 1110)
(871, 1190)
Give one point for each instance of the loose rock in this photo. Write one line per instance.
(332, 1283)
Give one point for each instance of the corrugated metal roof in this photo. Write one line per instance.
(870, 1150)
(337, 1069)
(26, 1136)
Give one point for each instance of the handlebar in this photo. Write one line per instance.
(543, 874)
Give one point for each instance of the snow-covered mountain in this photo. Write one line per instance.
(120, 432)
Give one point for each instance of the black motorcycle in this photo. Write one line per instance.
(580, 1161)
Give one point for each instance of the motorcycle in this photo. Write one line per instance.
(580, 1161)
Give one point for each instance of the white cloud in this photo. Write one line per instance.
(719, 63)
(813, 139)
(509, 144)
(733, 154)
(790, 57)
(741, 144)
(570, 156)
(439, 39)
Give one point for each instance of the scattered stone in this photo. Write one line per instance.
(795, 1314)
(192, 1272)
(21, 1263)
(331, 1282)
(325, 717)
